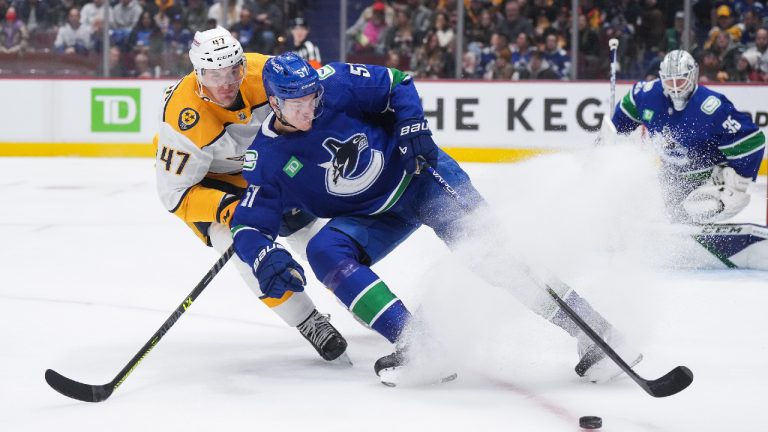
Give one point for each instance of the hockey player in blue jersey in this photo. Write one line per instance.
(710, 151)
(344, 143)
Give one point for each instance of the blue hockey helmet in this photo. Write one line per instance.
(289, 76)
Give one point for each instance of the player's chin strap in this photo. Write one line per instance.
(279, 117)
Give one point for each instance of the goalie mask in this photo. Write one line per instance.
(218, 60)
(679, 75)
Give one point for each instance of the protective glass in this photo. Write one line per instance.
(224, 76)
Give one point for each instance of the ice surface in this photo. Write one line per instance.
(92, 265)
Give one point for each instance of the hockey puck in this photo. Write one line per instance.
(590, 422)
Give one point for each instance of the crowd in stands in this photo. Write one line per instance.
(502, 39)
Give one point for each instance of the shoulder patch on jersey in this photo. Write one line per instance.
(648, 86)
(326, 71)
(710, 104)
(647, 114)
(251, 156)
(188, 118)
(293, 167)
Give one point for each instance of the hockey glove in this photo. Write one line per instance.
(277, 272)
(414, 139)
(226, 209)
(723, 196)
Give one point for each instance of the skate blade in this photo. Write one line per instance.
(341, 361)
(394, 377)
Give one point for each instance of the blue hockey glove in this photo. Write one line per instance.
(277, 271)
(415, 139)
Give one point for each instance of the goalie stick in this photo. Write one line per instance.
(673, 382)
(98, 393)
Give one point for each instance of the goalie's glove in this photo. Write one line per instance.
(226, 209)
(277, 272)
(414, 139)
(723, 196)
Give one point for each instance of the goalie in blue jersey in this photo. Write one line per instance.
(344, 143)
(710, 152)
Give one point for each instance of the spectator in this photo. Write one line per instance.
(125, 15)
(710, 68)
(179, 37)
(37, 16)
(501, 67)
(673, 37)
(389, 16)
(727, 51)
(421, 17)
(400, 37)
(60, 12)
(558, 58)
(430, 61)
(650, 27)
(165, 10)
(73, 37)
(393, 60)
(521, 52)
(13, 33)
(746, 70)
(142, 67)
(469, 66)
(270, 17)
(759, 50)
(751, 21)
(116, 67)
(97, 34)
(498, 41)
(146, 36)
(302, 46)
(247, 31)
(539, 69)
(480, 32)
(91, 10)
(444, 32)
(226, 18)
(725, 23)
(365, 38)
(513, 22)
(196, 14)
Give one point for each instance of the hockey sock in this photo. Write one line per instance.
(369, 299)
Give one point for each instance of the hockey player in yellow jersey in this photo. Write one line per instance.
(209, 118)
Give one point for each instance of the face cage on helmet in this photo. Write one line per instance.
(670, 84)
(236, 75)
(284, 104)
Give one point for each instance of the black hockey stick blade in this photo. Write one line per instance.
(673, 382)
(77, 390)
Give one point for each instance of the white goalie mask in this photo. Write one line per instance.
(679, 75)
(217, 58)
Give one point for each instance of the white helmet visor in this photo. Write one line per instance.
(224, 76)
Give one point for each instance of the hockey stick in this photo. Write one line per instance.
(613, 45)
(673, 382)
(98, 393)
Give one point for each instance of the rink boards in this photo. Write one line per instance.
(475, 121)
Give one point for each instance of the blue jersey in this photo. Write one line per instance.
(346, 164)
(707, 132)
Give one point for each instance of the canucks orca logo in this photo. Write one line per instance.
(670, 149)
(343, 175)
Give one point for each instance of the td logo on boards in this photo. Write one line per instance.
(115, 110)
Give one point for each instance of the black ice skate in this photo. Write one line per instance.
(595, 366)
(393, 369)
(324, 337)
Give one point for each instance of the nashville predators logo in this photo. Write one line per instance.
(188, 118)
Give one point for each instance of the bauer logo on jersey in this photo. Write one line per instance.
(188, 118)
(343, 174)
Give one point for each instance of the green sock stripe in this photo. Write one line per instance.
(372, 301)
(745, 147)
